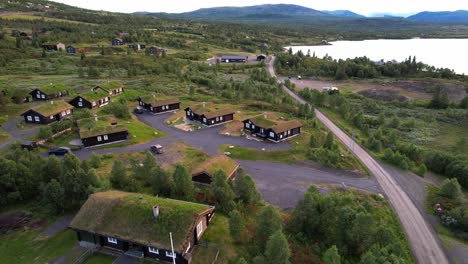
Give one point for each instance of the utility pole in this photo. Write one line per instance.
(172, 248)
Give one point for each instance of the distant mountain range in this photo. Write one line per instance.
(296, 13)
(455, 17)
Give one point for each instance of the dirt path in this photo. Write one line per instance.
(423, 239)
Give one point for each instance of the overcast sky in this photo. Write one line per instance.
(365, 7)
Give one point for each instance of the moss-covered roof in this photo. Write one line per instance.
(111, 85)
(210, 110)
(156, 101)
(213, 164)
(280, 128)
(54, 88)
(89, 127)
(94, 95)
(261, 121)
(52, 108)
(129, 216)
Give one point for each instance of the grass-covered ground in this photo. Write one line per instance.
(99, 259)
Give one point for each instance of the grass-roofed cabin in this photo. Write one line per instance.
(48, 92)
(209, 115)
(113, 88)
(101, 130)
(48, 112)
(139, 225)
(53, 46)
(233, 59)
(267, 127)
(92, 99)
(203, 174)
(159, 105)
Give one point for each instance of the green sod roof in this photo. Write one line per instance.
(111, 85)
(89, 127)
(261, 121)
(210, 111)
(54, 88)
(95, 95)
(52, 108)
(213, 164)
(129, 216)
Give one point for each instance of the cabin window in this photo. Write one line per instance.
(170, 254)
(106, 137)
(272, 135)
(38, 95)
(64, 113)
(51, 117)
(253, 126)
(151, 108)
(80, 99)
(112, 240)
(199, 228)
(37, 119)
(94, 103)
(167, 107)
(80, 104)
(99, 138)
(247, 125)
(212, 121)
(217, 119)
(221, 118)
(153, 250)
(204, 120)
(29, 118)
(43, 96)
(281, 136)
(68, 112)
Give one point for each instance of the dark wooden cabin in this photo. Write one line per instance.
(261, 57)
(92, 99)
(103, 222)
(71, 50)
(48, 112)
(53, 46)
(203, 173)
(117, 42)
(233, 59)
(155, 50)
(101, 130)
(48, 92)
(274, 130)
(209, 116)
(158, 106)
(113, 88)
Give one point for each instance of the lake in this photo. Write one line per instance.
(446, 53)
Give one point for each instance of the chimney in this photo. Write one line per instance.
(155, 211)
(204, 104)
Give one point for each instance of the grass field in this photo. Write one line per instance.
(99, 259)
(26, 16)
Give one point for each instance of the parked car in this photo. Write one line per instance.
(29, 145)
(138, 110)
(60, 151)
(157, 149)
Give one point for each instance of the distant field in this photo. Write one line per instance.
(33, 17)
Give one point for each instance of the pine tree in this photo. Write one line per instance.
(222, 192)
(162, 183)
(277, 249)
(329, 141)
(246, 190)
(54, 196)
(305, 218)
(332, 256)
(269, 221)
(118, 175)
(451, 189)
(313, 142)
(236, 225)
(183, 185)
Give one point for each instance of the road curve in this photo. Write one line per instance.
(423, 240)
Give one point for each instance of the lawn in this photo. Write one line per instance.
(32, 17)
(99, 259)
(26, 247)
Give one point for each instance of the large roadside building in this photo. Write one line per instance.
(139, 225)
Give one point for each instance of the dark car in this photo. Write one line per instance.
(60, 151)
(29, 145)
(138, 110)
(157, 149)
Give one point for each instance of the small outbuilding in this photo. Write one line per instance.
(53, 46)
(117, 42)
(48, 112)
(142, 225)
(209, 115)
(204, 173)
(71, 49)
